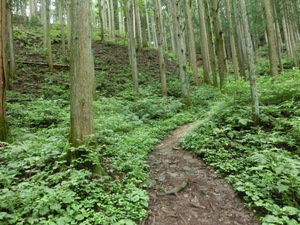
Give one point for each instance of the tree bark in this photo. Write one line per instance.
(82, 75)
(271, 38)
(3, 71)
(62, 30)
(112, 18)
(138, 32)
(144, 26)
(162, 65)
(12, 60)
(211, 46)
(219, 43)
(252, 74)
(176, 17)
(232, 42)
(32, 9)
(47, 43)
(192, 49)
(132, 50)
(100, 10)
(148, 23)
(204, 43)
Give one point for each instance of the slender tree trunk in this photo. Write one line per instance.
(271, 38)
(252, 74)
(132, 50)
(68, 14)
(154, 34)
(232, 42)
(144, 26)
(148, 23)
(238, 45)
(171, 25)
(47, 37)
(100, 10)
(192, 49)
(204, 43)
(3, 71)
(181, 53)
(12, 61)
(219, 43)
(137, 21)
(162, 65)
(62, 30)
(112, 17)
(120, 17)
(32, 9)
(211, 46)
(278, 38)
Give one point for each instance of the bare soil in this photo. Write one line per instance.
(186, 191)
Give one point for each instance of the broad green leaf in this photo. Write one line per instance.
(290, 210)
(43, 211)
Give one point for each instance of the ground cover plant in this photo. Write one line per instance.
(261, 162)
(39, 186)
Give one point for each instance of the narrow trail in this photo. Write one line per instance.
(185, 191)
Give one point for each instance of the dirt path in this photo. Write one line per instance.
(188, 192)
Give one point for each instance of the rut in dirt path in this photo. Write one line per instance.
(185, 191)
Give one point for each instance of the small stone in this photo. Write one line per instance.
(162, 177)
(188, 170)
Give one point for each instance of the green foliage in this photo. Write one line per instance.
(39, 187)
(261, 162)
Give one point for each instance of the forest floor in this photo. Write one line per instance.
(184, 190)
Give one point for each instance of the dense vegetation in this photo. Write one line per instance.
(38, 186)
(261, 162)
(47, 179)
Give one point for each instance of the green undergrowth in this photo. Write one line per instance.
(37, 186)
(262, 162)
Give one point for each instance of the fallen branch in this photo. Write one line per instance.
(176, 190)
(55, 65)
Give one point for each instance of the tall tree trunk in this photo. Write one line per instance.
(252, 74)
(3, 70)
(137, 21)
(132, 50)
(204, 43)
(192, 49)
(62, 30)
(154, 34)
(219, 43)
(47, 43)
(278, 38)
(271, 38)
(11, 46)
(171, 25)
(148, 23)
(144, 25)
(112, 17)
(211, 47)
(120, 17)
(162, 65)
(100, 10)
(32, 9)
(176, 17)
(82, 75)
(232, 41)
(68, 24)
(238, 42)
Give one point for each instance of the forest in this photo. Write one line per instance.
(161, 112)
